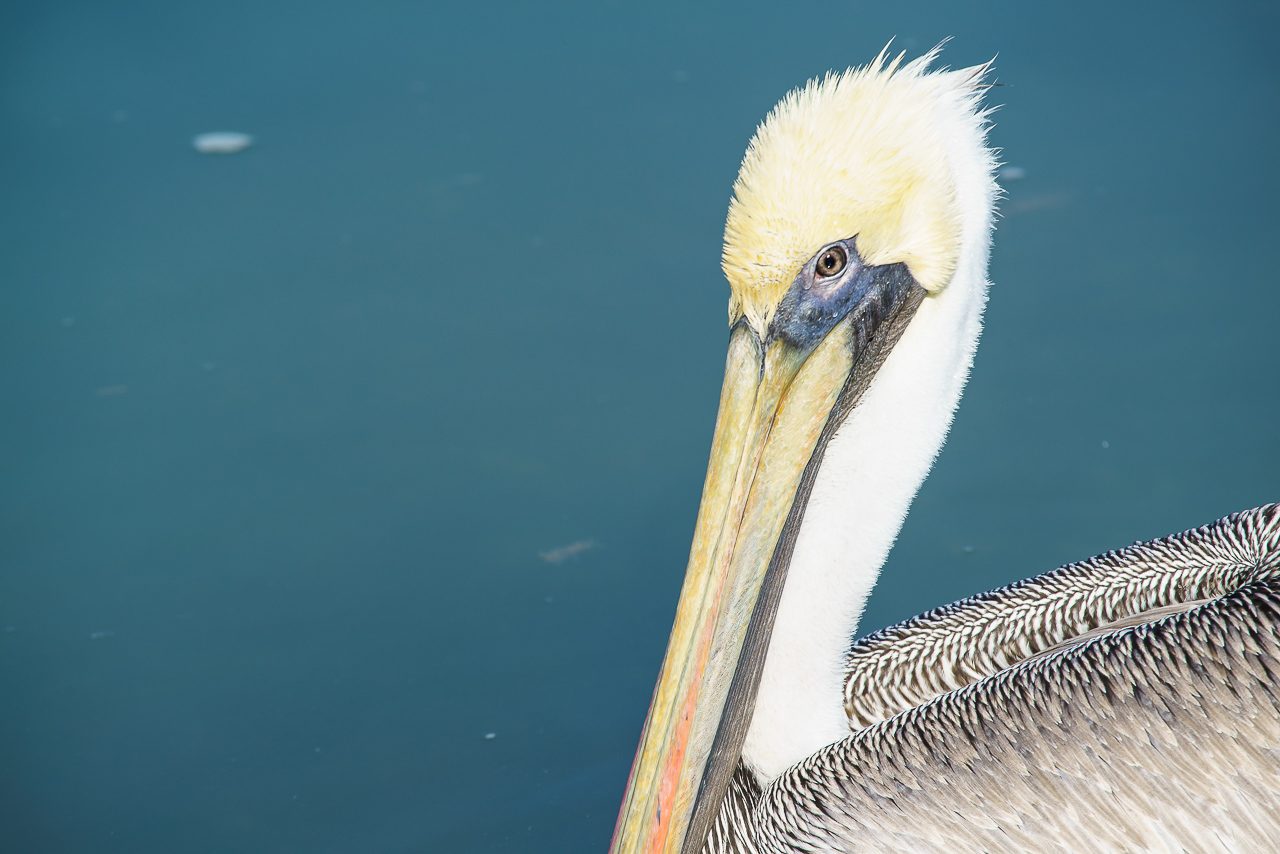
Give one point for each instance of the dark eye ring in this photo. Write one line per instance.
(830, 262)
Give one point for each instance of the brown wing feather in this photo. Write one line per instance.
(1162, 736)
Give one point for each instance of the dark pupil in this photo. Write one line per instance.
(831, 261)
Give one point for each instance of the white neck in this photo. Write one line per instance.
(872, 469)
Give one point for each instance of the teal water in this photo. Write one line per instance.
(285, 434)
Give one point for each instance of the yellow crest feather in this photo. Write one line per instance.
(858, 153)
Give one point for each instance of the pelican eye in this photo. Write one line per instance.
(830, 262)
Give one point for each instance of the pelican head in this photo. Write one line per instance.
(856, 251)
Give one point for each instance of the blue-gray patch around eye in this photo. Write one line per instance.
(814, 304)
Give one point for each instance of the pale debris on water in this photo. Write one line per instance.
(565, 552)
(1042, 202)
(1012, 173)
(222, 142)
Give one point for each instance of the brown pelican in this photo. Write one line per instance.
(1126, 703)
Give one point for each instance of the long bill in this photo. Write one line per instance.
(782, 400)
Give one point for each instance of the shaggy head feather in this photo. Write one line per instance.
(858, 153)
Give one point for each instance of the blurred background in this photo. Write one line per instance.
(347, 481)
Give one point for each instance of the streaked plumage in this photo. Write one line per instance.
(1126, 703)
(1162, 735)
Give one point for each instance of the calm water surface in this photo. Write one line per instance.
(287, 434)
